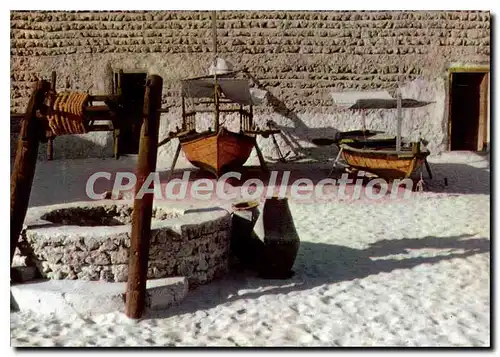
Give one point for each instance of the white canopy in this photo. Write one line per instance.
(237, 90)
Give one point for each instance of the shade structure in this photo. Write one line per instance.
(237, 90)
(358, 100)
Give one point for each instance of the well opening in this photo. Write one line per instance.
(112, 215)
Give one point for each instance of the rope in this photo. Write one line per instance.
(66, 113)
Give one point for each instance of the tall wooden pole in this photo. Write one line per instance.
(25, 162)
(50, 136)
(143, 207)
(216, 87)
(399, 120)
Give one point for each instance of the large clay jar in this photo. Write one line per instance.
(275, 228)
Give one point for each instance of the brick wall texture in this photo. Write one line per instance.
(299, 56)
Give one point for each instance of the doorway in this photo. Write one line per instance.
(132, 87)
(468, 111)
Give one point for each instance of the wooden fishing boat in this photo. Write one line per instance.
(385, 162)
(223, 92)
(386, 156)
(218, 152)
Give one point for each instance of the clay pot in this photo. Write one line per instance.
(276, 230)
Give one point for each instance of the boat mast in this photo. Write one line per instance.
(216, 87)
(399, 120)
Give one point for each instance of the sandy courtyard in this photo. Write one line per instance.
(412, 272)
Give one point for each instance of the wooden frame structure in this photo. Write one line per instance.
(110, 113)
(33, 130)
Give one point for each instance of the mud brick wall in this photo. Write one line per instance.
(299, 56)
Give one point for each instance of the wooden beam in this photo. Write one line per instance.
(50, 134)
(25, 163)
(143, 207)
(174, 161)
(103, 97)
(263, 164)
(482, 132)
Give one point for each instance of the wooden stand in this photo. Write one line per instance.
(25, 163)
(143, 207)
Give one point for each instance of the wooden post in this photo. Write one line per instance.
(399, 120)
(216, 103)
(50, 135)
(25, 163)
(250, 117)
(183, 103)
(428, 168)
(143, 207)
(241, 118)
(415, 148)
(216, 87)
(174, 161)
(117, 122)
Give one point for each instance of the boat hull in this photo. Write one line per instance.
(387, 164)
(218, 152)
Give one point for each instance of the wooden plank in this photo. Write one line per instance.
(143, 207)
(103, 97)
(450, 103)
(96, 110)
(25, 163)
(482, 134)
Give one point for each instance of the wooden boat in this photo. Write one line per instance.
(386, 156)
(218, 152)
(385, 162)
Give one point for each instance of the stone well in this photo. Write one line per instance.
(91, 240)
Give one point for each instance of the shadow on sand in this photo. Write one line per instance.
(461, 178)
(318, 264)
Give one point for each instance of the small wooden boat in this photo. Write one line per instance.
(387, 163)
(218, 152)
(386, 156)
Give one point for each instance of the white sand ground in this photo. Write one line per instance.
(407, 273)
